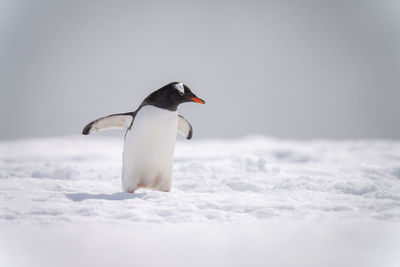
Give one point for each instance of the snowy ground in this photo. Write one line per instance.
(251, 191)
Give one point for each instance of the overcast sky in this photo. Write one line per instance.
(292, 69)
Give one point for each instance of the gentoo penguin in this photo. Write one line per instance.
(150, 137)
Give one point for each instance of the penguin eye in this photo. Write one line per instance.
(181, 93)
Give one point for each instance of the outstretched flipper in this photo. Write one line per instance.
(184, 127)
(115, 121)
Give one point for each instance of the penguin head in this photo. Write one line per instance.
(171, 95)
(183, 94)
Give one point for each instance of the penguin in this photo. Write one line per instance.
(150, 136)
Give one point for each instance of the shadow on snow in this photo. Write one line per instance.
(115, 196)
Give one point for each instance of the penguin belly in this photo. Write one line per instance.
(149, 149)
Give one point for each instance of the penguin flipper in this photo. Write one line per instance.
(114, 121)
(184, 128)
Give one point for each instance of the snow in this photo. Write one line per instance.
(76, 179)
(265, 192)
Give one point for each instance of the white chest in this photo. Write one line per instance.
(149, 146)
(154, 125)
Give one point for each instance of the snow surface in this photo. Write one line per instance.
(76, 179)
(245, 188)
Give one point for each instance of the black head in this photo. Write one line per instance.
(170, 96)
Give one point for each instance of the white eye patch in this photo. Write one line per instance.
(179, 87)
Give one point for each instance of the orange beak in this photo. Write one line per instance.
(198, 100)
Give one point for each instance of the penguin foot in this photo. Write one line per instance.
(130, 191)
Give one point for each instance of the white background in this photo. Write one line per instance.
(298, 69)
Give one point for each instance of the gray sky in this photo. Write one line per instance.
(292, 69)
